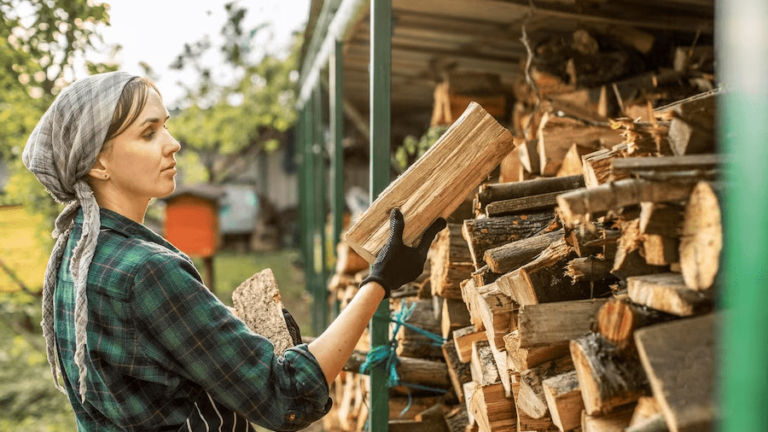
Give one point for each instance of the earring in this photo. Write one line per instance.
(106, 176)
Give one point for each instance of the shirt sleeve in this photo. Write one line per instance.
(215, 349)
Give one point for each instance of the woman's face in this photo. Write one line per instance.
(141, 160)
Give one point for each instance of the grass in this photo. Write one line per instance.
(230, 269)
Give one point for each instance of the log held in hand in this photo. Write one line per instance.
(437, 183)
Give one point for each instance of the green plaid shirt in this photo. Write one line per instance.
(164, 354)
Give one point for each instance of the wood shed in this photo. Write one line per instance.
(576, 286)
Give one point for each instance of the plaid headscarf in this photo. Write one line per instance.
(60, 152)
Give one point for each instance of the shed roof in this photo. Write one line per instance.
(431, 37)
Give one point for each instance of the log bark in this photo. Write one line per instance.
(489, 193)
(412, 343)
(531, 399)
(608, 377)
(522, 205)
(430, 373)
(463, 339)
(679, 359)
(668, 293)
(436, 184)
(581, 205)
(582, 239)
(626, 167)
(484, 276)
(257, 302)
(543, 280)
(702, 237)
(526, 358)
(488, 233)
(564, 400)
(617, 321)
(512, 256)
(554, 323)
(450, 262)
(557, 134)
(590, 269)
(457, 419)
(483, 365)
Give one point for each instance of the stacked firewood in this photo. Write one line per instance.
(601, 319)
(580, 296)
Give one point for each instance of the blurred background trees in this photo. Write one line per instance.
(223, 127)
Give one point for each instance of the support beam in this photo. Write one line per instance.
(336, 98)
(380, 121)
(742, 63)
(337, 30)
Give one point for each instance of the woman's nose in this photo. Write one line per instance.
(172, 146)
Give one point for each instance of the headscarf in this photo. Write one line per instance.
(60, 152)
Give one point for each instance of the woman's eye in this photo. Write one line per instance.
(149, 135)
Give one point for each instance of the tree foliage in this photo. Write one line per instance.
(227, 125)
(40, 41)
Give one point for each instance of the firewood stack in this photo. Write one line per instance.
(581, 295)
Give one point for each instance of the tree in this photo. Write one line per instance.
(39, 43)
(228, 125)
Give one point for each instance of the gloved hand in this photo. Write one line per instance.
(293, 328)
(398, 264)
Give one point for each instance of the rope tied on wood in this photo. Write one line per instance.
(385, 356)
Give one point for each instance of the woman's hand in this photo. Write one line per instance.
(398, 264)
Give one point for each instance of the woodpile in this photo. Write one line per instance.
(580, 297)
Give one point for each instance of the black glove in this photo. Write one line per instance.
(398, 264)
(293, 328)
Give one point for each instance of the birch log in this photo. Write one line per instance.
(257, 301)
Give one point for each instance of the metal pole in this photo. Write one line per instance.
(742, 62)
(336, 92)
(321, 287)
(380, 71)
(302, 185)
(309, 230)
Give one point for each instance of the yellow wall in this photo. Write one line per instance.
(21, 248)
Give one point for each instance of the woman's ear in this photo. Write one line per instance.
(99, 171)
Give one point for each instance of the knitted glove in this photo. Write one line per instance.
(293, 328)
(398, 264)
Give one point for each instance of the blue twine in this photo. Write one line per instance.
(385, 356)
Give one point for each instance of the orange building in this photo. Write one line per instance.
(192, 219)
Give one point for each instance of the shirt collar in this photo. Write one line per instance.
(121, 224)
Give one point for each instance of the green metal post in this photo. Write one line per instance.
(742, 50)
(309, 169)
(302, 184)
(336, 92)
(321, 290)
(380, 71)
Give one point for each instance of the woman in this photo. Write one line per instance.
(142, 344)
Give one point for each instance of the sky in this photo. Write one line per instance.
(155, 31)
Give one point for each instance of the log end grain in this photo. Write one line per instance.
(702, 238)
(257, 301)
